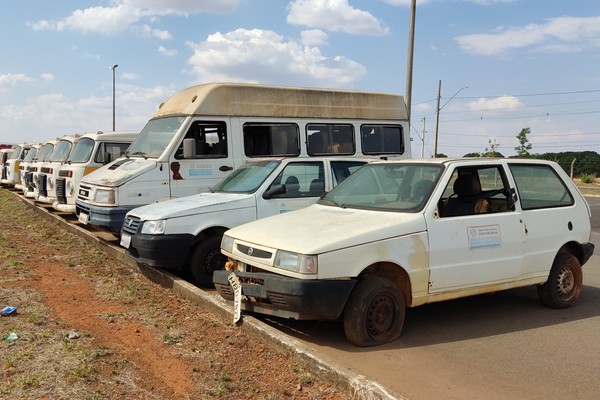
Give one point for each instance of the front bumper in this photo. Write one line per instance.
(110, 217)
(164, 251)
(288, 297)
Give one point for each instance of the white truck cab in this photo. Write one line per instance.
(185, 233)
(43, 154)
(203, 133)
(407, 233)
(46, 178)
(92, 151)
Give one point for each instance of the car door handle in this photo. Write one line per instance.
(224, 168)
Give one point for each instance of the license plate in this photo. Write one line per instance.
(125, 241)
(236, 285)
(84, 218)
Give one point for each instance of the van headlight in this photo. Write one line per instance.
(105, 196)
(301, 263)
(156, 227)
(227, 244)
(70, 188)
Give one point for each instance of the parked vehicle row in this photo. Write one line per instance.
(305, 204)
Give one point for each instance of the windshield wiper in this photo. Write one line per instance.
(330, 202)
(140, 153)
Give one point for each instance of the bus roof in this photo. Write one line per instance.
(251, 100)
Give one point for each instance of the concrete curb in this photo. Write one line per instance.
(355, 385)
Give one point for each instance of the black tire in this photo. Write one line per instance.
(206, 259)
(563, 287)
(374, 313)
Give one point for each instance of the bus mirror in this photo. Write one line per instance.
(189, 148)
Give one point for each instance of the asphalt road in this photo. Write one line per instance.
(496, 346)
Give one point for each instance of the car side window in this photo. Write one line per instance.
(539, 186)
(301, 179)
(475, 190)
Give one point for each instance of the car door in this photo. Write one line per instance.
(479, 249)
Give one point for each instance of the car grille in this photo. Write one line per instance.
(131, 225)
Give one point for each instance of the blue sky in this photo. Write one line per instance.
(504, 65)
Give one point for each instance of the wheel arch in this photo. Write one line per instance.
(202, 235)
(573, 248)
(394, 273)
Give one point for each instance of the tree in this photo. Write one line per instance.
(474, 154)
(491, 151)
(524, 146)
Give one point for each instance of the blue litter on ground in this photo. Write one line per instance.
(8, 310)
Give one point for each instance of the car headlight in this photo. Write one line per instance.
(301, 263)
(105, 196)
(50, 183)
(227, 244)
(156, 227)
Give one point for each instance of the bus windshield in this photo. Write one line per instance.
(155, 137)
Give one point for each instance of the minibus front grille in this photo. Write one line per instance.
(61, 196)
(42, 190)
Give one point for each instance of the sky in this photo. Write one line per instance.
(498, 66)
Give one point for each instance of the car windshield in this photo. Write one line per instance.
(82, 151)
(61, 151)
(401, 187)
(247, 178)
(155, 137)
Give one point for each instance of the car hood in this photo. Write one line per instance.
(193, 205)
(319, 229)
(119, 171)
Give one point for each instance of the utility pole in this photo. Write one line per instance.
(423, 139)
(409, 67)
(113, 105)
(437, 118)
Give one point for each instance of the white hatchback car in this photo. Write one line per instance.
(400, 234)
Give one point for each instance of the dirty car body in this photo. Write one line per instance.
(407, 233)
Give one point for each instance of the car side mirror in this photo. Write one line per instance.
(512, 199)
(274, 190)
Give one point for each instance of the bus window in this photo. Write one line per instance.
(330, 139)
(209, 138)
(381, 139)
(261, 140)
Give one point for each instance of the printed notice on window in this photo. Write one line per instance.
(482, 237)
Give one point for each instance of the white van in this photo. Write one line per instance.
(35, 166)
(185, 233)
(12, 164)
(201, 134)
(92, 151)
(5, 154)
(24, 165)
(49, 170)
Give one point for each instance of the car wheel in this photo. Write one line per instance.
(563, 287)
(206, 259)
(374, 313)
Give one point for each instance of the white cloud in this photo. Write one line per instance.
(125, 13)
(129, 76)
(166, 52)
(334, 15)
(148, 31)
(47, 77)
(313, 37)
(563, 34)
(264, 56)
(499, 103)
(183, 7)
(105, 20)
(12, 80)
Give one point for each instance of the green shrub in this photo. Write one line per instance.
(587, 178)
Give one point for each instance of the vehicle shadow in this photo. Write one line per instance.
(456, 320)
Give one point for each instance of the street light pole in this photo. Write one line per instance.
(113, 105)
(438, 109)
(409, 67)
